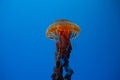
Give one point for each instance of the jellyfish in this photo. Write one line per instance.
(62, 31)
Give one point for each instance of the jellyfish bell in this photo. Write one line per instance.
(62, 28)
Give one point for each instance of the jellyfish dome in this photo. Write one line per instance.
(62, 27)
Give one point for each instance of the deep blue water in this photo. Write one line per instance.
(26, 53)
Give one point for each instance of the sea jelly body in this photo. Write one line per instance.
(62, 31)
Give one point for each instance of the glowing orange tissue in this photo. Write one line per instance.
(62, 31)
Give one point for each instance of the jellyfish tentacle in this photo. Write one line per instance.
(62, 58)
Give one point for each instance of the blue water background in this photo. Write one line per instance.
(26, 53)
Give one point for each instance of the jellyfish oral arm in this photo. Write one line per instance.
(62, 60)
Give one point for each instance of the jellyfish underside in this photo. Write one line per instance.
(62, 31)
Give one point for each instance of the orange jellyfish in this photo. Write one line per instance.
(62, 31)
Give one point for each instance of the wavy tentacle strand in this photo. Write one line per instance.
(62, 59)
